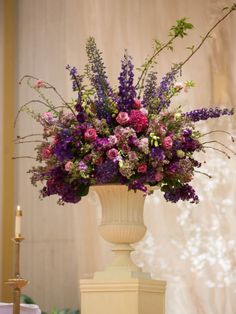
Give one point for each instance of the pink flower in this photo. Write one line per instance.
(40, 83)
(46, 152)
(178, 86)
(144, 111)
(132, 156)
(90, 135)
(125, 148)
(99, 161)
(137, 103)
(159, 176)
(167, 143)
(162, 129)
(138, 120)
(68, 165)
(122, 118)
(142, 168)
(112, 153)
(112, 140)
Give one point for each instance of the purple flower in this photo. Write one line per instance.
(127, 91)
(184, 193)
(82, 166)
(208, 113)
(106, 172)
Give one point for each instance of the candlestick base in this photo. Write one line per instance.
(17, 282)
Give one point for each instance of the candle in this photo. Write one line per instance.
(18, 222)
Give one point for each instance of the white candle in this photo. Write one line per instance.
(18, 222)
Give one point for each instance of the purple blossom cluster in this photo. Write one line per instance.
(108, 136)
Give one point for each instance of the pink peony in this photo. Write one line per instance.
(90, 135)
(122, 118)
(112, 153)
(167, 143)
(68, 165)
(159, 176)
(142, 168)
(137, 103)
(138, 120)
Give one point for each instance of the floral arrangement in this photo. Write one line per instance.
(128, 135)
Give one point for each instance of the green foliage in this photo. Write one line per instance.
(180, 29)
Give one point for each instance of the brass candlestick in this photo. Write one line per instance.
(17, 283)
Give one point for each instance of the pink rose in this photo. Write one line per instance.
(137, 103)
(40, 83)
(122, 118)
(90, 135)
(167, 143)
(159, 176)
(112, 153)
(142, 168)
(125, 148)
(132, 156)
(112, 140)
(68, 165)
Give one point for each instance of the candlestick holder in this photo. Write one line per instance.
(17, 283)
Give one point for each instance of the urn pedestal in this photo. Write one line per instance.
(122, 288)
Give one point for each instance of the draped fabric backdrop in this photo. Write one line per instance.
(192, 247)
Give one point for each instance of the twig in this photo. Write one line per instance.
(215, 141)
(219, 150)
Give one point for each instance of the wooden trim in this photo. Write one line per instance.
(9, 89)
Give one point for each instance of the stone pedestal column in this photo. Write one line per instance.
(122, 288)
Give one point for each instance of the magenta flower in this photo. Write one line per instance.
(138, 120)
(167, 143)
(142, 168)
(90, 135)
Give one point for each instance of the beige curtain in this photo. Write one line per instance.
(191, 247)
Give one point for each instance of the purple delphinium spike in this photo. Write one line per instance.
(98, 80)
(165, 89)
(77, 82)
(208, 113)
(150, 92)
(126, 88)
